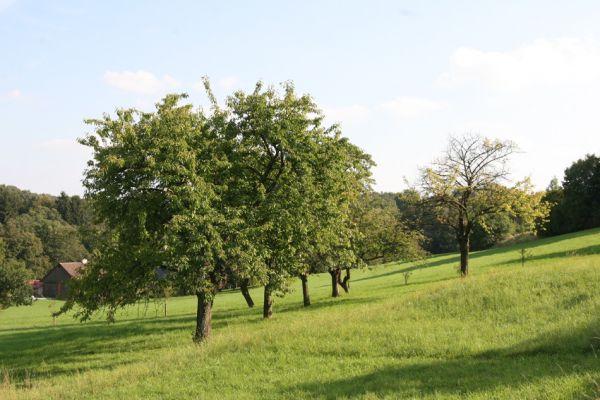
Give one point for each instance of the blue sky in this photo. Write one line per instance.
(399, 76)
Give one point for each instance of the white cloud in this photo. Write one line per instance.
(142, 82)
(351, 114)
(411, 107)
(564, 61)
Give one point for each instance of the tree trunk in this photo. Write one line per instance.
(246, 293)
(203, 318)
(345, 283)
(268, 303)
(335, 276)
(464, 256)
(305, 295)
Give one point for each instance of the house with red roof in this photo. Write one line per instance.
(55, 282)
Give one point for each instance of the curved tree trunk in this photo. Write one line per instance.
(464, 255)
(203, 318)
(305, 294)
(246, 293)
(345, 283)
(335, 277)
(268, 303)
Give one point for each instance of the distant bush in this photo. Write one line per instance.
(516, 239)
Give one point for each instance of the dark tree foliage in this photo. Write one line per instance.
(14, 290)
(35, 232)
(41, 239)
(73, 209)
(575, 205)
(554, 224)
(493, 231)
(13, 202)
(438, 238)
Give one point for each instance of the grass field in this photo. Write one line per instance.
(505, 332)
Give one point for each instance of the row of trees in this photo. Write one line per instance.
(258, 192)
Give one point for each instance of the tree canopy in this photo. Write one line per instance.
(231, 194)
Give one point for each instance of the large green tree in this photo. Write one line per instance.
(295, 180)
(343, 178)
(158, 182)
(213, 198)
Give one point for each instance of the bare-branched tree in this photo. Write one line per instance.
(465, 184)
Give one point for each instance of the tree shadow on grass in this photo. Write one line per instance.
(548, 356)
(68, 349)
(583, 251)
(43, 352)
(454, 260)
(340, 302)
(532, 245)
(76, 323)
(410, 268)
(220, 313)
(456, 377)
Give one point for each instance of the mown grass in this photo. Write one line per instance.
(506, 331)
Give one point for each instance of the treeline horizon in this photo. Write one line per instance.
(41, 230)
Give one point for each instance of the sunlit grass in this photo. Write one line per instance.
(506, 331)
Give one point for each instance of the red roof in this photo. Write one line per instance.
(72, 268)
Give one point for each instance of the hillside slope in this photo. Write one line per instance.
(506, 331)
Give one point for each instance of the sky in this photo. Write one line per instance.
(399, 76)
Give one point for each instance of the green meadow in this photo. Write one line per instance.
(507, 331)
